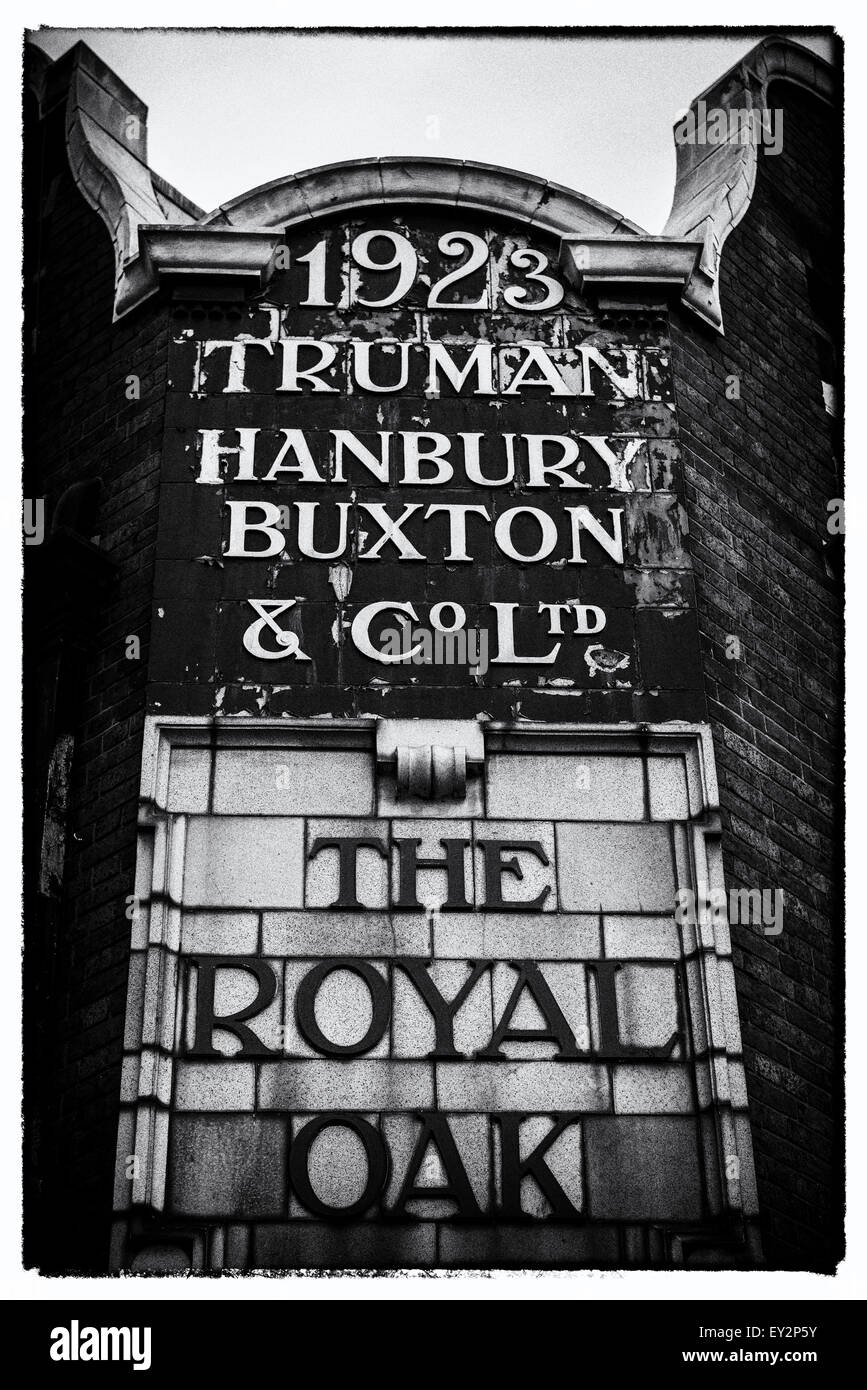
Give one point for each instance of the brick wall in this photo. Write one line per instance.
(80, 425)
(759, 473)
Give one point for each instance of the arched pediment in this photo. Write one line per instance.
(462, 184)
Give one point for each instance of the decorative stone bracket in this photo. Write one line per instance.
(430, 759)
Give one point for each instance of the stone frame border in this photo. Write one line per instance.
(154, 1004)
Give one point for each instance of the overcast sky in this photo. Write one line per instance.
(230, 110)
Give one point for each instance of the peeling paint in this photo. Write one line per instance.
(605, 660)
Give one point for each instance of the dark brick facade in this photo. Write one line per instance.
(83, 603)
(760, 471)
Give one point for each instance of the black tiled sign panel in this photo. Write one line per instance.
(422, 431)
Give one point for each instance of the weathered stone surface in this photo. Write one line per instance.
(189, 780)
(220, 933)
(231, 1166)
(336, 1166)
(356, 1245)
(641, 937)
(501, 935)
(576, 788)
(315, 933)
(413, 1024)
(236, 861)
(290, 781)
(615, 868)
(555, 1245)
(332, 1085)
(642, 1168)
(372, 866)
(562, 1157)
(472, 1141)
(215, 1086)
(522, 1086)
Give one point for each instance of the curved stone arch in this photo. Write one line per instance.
(463, 185)
(715, 183)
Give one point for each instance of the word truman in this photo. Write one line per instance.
(298, 366)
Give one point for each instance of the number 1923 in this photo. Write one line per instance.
(537, 292)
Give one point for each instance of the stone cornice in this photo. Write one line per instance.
(168, 250)
(595, 263)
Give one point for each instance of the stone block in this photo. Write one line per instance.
(567, 982)
(135, 999)
(563, 1158)
(472, 1141)
(237, 1247)
(323, 879)
(232, 1166)
(504, 935)
(215, 1086)
(566, 786)
(293, 781)
(345, 1085)
(392, 734)
(125, 1150)
(536, 876)
(237, 861)
(410, 808)
(646, 1005)
(618, 868)
(235, 989)
(336, 1167)
(532, 1086)
(641, 938)
(355, 1245)
(318, 933)
(432, 885)
(668, 788)
(552, 1245)
(343, 1009)
(652, 1088)
(219, 933)
(189, 780)
(642, 1168)
(412, 1021)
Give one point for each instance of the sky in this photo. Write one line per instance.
(229, 109)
